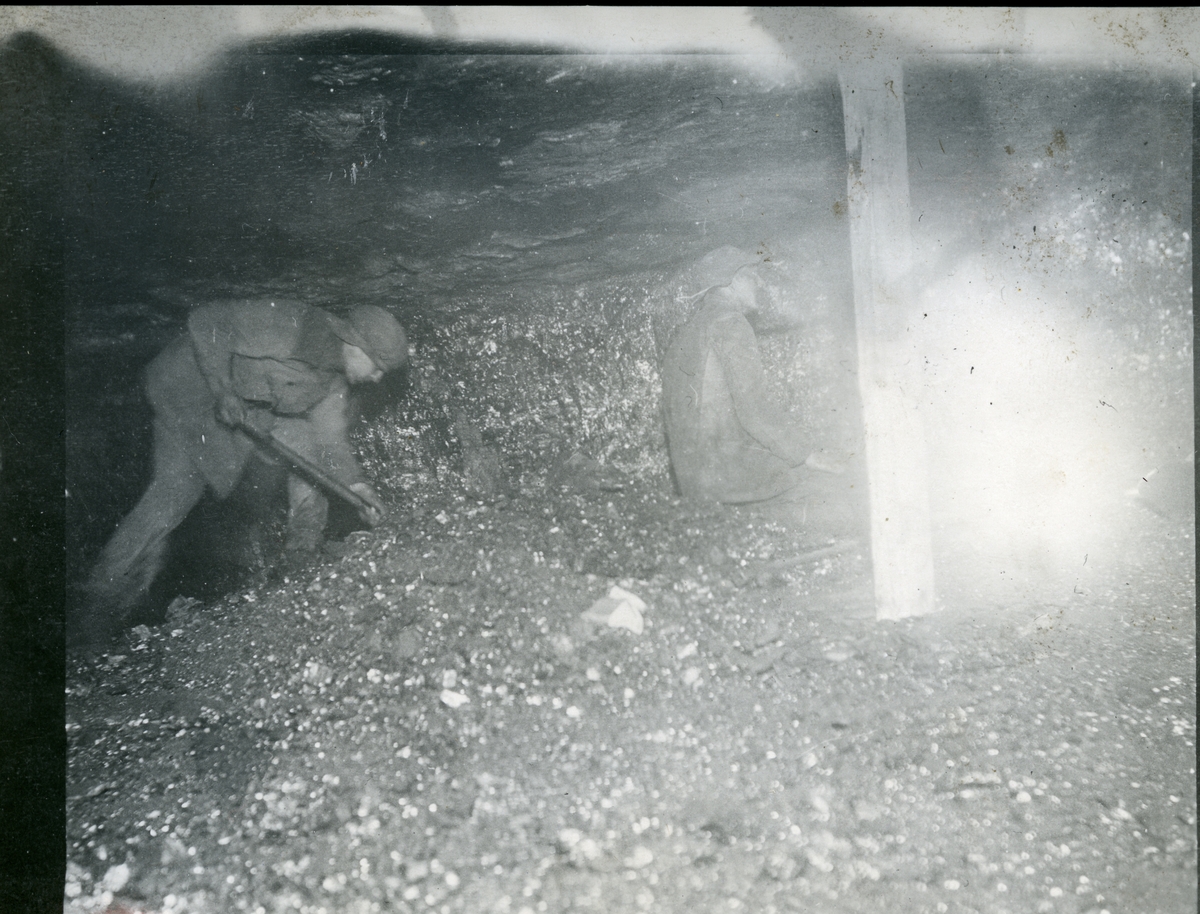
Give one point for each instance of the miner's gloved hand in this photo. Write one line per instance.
(231, 410)
(374, 514)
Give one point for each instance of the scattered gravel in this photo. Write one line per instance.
(433, 722)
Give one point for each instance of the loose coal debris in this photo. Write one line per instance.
(431, 723)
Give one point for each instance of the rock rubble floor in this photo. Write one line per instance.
(429, 723)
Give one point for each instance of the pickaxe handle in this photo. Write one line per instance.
(307, 468)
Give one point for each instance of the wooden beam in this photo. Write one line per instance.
(889, 363)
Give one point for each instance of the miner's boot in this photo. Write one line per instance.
(308, 512)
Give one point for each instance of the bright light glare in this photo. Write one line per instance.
(1032, 444)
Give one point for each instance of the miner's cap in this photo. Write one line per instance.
(717, 268)
(375, 332)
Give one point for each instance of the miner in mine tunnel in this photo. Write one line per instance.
(245, 374)
(727, 441)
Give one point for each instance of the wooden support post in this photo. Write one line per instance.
(889, 363)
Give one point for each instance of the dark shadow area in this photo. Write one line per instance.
(368, 43)
(34, 101)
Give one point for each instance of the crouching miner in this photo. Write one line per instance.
(244, 369)
(727, 441)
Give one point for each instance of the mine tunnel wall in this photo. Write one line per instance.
(578, 370)
(529, 221)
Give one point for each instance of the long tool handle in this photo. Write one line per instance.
(307, 467)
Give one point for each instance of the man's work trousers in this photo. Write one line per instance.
(137, 550)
